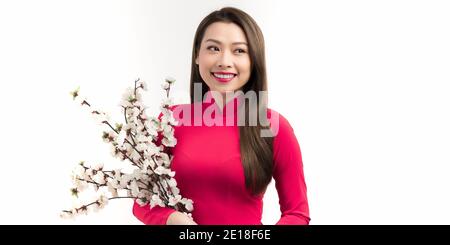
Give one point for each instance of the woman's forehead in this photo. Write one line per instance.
(224, 33)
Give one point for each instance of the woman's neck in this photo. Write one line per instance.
(221, 99)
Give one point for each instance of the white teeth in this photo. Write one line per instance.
(224, 76)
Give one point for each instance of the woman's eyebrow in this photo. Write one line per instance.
(218, 42)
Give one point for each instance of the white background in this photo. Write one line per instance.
(365, 85)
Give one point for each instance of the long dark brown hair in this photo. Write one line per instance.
(256, 151)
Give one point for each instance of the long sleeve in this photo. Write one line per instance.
(152, 216)
(289, 177)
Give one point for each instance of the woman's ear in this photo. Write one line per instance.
(196, 61)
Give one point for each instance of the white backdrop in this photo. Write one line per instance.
(364, 84)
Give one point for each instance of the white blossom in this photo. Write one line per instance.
(133, 141)
(173, 200)
(129, 126)
(152, 149)
(188, 204)
(142, 138)
(166, 103)
(141, 202)
(143, 109)
(134, 188)
(114, 183)
(160, 170)
(169, 142)
(79, 170)
(155, 189)
(117, 173)
(168, 118)
(124, 181)
(142, 199)
(145, 179)
(98, 166)
(128, 95)
(167, 129)
(125, 103)
(164, 159)
(172, 182)
(109, 136)
(141, 147)
(129, 149)
(135, 112)
(164, 185)
(175, 190)
(149, 163)
(135, 156)
(140, 127)
(170, 80)
(137, 174)
(121, 137)
(171, 174)
(165, 86)
(79, 184)
(102, 200)
(99, 177)
(156, 200)
(115, 151)
(88, 174)
(112, 188)
(151, 127)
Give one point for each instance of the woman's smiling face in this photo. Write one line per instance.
(223, 58)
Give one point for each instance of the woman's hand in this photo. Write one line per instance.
(178, 218)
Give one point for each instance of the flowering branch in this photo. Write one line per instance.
(151, 182)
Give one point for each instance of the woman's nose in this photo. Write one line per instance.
(224, 60)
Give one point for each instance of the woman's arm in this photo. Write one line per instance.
(160, 216)
(289, 177)
(152, 216)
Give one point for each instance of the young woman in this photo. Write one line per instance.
(224, 163)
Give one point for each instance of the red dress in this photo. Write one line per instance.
(209, 171)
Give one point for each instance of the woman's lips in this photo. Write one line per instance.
(223, 79)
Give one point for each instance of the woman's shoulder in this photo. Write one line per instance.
(278, 122)
(285, 141)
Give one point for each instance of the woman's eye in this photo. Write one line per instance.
(213, 48)
(239, 50)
